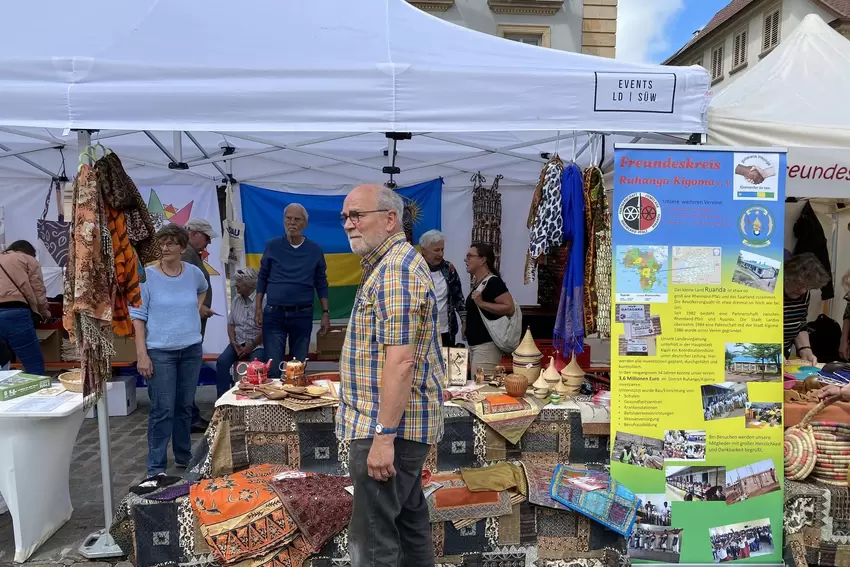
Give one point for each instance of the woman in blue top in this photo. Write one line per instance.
(168, 347)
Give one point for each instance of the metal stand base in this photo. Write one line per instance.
(100, 545)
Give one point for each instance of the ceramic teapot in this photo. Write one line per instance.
(254, 372)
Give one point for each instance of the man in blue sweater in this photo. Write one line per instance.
(292, 272)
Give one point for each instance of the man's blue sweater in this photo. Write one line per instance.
(289, 275)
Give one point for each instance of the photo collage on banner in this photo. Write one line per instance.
(696, 350)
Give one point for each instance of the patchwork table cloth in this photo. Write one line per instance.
(528, 534)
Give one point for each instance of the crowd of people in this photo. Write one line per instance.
(740, 544)
(722, 405)
(642, 456)
(649, 513)
(655, 540)
(770, 416)
(681, 445)
(696, 490)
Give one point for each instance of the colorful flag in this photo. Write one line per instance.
(262, 212)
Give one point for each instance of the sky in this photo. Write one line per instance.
(649, 31)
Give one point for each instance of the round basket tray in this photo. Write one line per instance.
(72, 381)
(800, 451)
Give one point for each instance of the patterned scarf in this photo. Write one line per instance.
(595, 212)
(127, 293)
(487, 216)
(547, 229)
(569, 325)
(90, 285)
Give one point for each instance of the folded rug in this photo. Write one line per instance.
(509, 417)
(240, 516)
(613, 505)
(539, 483)
(318, 504)
(454, 501)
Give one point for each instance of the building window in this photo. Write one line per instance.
(697, 61)
(530, 35)
(717, 63)
(771, 30)
(739, 54)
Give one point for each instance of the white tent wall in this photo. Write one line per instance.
(794, 98)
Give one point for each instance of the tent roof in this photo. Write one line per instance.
(793, 97)
(317, 66)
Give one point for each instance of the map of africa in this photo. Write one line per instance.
(641, 273)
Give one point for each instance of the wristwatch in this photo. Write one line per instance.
(325, 311)
(381, 430)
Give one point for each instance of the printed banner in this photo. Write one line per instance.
(697, 351)
(177, 204)
(262, 212)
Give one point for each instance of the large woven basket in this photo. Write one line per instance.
(73, 381)
(800, 448)
(832, 452)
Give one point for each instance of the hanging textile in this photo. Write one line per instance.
(487, 214)
(54, 234)
(90, 285)
(547, 227)
(550, 276)
(604, 265)
(569, 324)
(121, 193)
(594, 218)
(127, 291)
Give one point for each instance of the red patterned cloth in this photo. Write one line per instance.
(318, 504)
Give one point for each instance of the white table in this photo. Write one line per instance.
(35, 462)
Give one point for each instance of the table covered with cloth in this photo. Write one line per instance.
(251, 433)
(817, 524)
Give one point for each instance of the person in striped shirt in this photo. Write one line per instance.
(803, 273)
(390, 395)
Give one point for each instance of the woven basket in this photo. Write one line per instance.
(800, 451)
(832, 452)
(72, 381)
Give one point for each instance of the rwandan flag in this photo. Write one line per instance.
(262, 212)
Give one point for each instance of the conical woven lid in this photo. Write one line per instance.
(561, 388)
(527, 348)
(541, 382)
(572, 369)
(550, 374)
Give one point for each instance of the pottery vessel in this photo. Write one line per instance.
(516, 385)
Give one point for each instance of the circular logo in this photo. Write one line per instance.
(756, 225)
(639, 213)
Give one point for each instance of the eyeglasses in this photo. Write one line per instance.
(470, 256)
(356, 216)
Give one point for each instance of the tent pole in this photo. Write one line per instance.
(178, 145)
(100, 544)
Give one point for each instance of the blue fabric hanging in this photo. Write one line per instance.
(569, 325)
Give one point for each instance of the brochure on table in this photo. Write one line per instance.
(696, 355)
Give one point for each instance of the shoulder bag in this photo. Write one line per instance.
(506, 331)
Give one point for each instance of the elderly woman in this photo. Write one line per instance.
(803, 273)
(447, 286)
(246, 338)
(169, 347)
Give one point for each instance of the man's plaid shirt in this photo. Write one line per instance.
(395, 305)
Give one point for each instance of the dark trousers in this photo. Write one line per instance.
(226, 360)
(17, 330)
(389, 524)
(280, 326)
(172, 392)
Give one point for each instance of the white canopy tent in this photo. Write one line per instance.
(303, 93)
(796, 98)
(308, 89)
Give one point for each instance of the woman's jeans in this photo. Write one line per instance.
(17, 330)
(172, 393)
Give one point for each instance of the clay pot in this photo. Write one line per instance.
(516, 385)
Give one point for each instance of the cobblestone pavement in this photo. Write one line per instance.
(129, 451)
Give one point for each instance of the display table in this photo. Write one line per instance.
(244, 433)
(838, 412)
(35, 459)
(817, 522)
